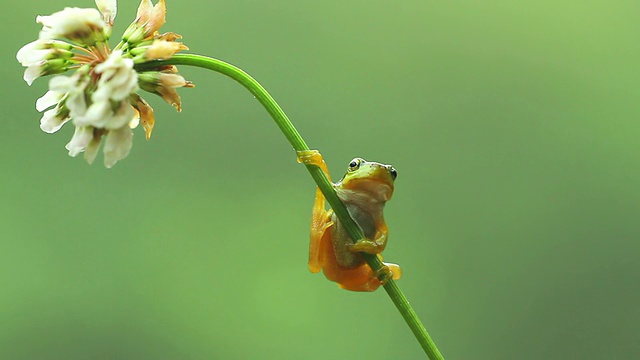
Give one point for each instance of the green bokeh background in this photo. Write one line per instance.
(515, 130)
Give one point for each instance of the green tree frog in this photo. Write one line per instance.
(364, 190)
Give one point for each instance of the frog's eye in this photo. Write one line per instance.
(355, 164)
(393, 172)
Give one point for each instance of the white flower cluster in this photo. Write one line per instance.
(101, 97)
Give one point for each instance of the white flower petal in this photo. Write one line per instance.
(75, 86)
(33, 72)
(134, 122)
(36, 56)
(122, 117)
(61, 83)
(117, 80)
(49, 99)
(97, 115)
(109, 9)
(24, 51)
(123, 85)
(33, 52)
(91, 151)
(80, 140)
(51, 121)
(115, 60)
(76, 104)
(101, 94)
(101, 115)
(76, 24)
(117, 145)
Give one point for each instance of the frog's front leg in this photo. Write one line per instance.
(313, 157)
(375, 247)
(372, 246)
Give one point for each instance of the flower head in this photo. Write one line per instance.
(101, 96)
(84, 26)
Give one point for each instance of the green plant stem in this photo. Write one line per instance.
(318, 176)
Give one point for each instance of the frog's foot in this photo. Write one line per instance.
(395, 270)
(310, 157)
(320, 225)
(367, 246)
(387, 272)
(383, 274)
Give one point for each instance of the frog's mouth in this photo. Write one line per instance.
(379, 172)
(376, 188)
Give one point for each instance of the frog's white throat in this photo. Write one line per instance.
(370, 195)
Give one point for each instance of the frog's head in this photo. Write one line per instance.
(373, 178)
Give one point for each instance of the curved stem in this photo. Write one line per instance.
(298, 143)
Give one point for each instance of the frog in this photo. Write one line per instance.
(364, 189)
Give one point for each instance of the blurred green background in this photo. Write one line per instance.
(515, 130)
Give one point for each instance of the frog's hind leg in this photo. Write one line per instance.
(396, 272)
(357, 279)
(363, 278)
(321, 224)
(321, 218)
(391, 270)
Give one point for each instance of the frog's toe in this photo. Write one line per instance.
(365, 245)
(384, 274)
(309, 157)
(395, 269)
